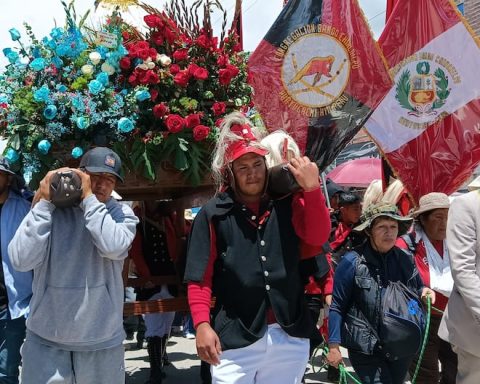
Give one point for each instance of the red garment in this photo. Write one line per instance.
(310, 219)
(341, 233)
(423, 268)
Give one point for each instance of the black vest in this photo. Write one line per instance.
(257, 267)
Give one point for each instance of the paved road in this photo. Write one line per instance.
(185, 367)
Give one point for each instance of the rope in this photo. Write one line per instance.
(425, 339)
(345, 376)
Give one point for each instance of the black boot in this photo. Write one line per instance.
(164, 351)
(155, 348)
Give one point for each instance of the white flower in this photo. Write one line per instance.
(87, 69)
(25, 60)
(151, 65)
(165, 61)
(107, 68)
(95, 57)
(143, 66)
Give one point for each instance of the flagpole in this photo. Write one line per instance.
(238, 22)
(324, 187)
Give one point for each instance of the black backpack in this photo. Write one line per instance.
(402, 322)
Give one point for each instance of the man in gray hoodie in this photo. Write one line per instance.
(75, 330)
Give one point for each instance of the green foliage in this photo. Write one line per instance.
(442, 88)
(403, 90)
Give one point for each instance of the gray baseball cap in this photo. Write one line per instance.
(5, 166)
(102, 160)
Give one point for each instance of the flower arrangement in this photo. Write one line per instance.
(153, 97)
(193, 79)
(63, 92)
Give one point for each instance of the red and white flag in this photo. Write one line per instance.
(318, 74)
(428, 126)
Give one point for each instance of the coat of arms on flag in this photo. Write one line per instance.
(313, 75)
(427, 126)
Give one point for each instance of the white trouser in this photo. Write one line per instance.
(275, 358)
(159, 324)
(468, 367)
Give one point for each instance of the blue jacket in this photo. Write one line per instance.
(18, 284)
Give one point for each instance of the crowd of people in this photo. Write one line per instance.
(274, 248)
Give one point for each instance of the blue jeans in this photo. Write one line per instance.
(12, 334)
(376, 369)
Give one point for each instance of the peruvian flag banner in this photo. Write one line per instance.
(318, 75)
(428, 126)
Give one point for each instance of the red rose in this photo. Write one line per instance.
(200, 132)
(203, 41)
(125, 63)
(143, 54)
(157, 37)
(193, 120)
(152, 20)
(153, 94)
(174, 69)
(224, 76)
(175, 123)
(201, 74)
(181, 78)
(223, 60)
(170, 35)
(132, 79)
(125, 35)
(180, 55)
(192, 68)
(142, 45)
(160, 110)
(219, 108)
(234, 71)
(219, 122)
(152, 77)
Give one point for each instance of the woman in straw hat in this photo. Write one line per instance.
(427, 242)
(361, 280)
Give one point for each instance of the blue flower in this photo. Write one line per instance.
(82, 122)
(38, 64)
(57, 62)
(50, 112)
(14, 34)
(102, 78)
(56, 33)
(3, 98)
(41, 94)
(77, 152)
(61, 88)
(12, 155)
(142, 95)
(95, 87)
(12, 57)
(6, 51)
(125, 125)
(44, 146)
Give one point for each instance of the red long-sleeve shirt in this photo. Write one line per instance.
(311, 221)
